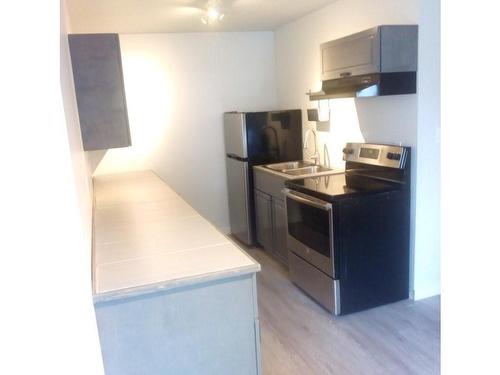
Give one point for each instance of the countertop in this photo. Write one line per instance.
(147, 238)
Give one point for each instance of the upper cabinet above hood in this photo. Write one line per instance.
(378, 61)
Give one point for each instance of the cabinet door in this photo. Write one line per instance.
(398, 48)
(100, 92)
(350, 56)
(264, 221)
(280, 229)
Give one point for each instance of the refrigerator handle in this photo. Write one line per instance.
(237, 157)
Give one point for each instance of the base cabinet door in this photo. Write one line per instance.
(280, 229)
(210, 328)
(264, 220)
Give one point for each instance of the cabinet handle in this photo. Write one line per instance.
(345, 74)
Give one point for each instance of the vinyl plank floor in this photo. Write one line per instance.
(300, 337)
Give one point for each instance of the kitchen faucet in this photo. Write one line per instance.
(316, 155)
(326, 156)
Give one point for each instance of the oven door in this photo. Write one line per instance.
(310, 230)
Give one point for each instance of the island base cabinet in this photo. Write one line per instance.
(211, 328)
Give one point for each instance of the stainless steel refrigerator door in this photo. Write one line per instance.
(235, 135)
(238, 196)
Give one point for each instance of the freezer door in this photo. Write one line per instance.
(274, 136)
(239, 199)
(235, 136)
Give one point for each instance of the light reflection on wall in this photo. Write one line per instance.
(149, 104)
(344, 127)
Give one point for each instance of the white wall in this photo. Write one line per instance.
(83, 177)
(177, 88)
(48, 323)
(76, 252)
(392, 119)
(428, 179)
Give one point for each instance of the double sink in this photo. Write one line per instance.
(298, 168)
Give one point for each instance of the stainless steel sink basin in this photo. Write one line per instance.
(291, 165)
(307, 170)
(298, 168)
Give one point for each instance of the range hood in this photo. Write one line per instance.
(375, 84)
(375, 62)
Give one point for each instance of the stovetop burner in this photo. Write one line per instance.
(370, 169)
(339, 186)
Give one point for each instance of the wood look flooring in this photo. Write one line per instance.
(300, 337)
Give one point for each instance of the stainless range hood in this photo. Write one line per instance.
(375, 84)
(375, 62)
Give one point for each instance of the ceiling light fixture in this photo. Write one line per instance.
(213, 13)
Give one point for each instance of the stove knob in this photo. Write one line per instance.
(393, 156)
(348, 151)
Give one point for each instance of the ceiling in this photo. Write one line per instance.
(165, 16)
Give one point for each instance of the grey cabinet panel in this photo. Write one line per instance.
(280, 229)
(100, 92)
(264, 220)
(209, 329)
(382, 49)
(271, 213)
(398, 48)
(269, 183)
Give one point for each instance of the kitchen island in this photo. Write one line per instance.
(172, 294)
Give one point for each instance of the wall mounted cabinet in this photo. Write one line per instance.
(100, 91)
(376, 62)
(382, 49)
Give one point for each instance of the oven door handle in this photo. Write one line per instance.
(302, 198)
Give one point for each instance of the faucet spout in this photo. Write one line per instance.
(316, 155)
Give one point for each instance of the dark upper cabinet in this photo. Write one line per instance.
(382, 49)
(100, 92)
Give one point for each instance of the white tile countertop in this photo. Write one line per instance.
(147, 238)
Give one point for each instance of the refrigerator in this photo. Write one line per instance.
(255, 138)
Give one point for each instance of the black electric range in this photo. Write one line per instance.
(348, 234)
(342, 186)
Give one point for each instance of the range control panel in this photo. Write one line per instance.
(374, 154)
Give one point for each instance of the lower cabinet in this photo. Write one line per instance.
(211, 328)
(271, 224)
(264, 219)
(280, 229)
